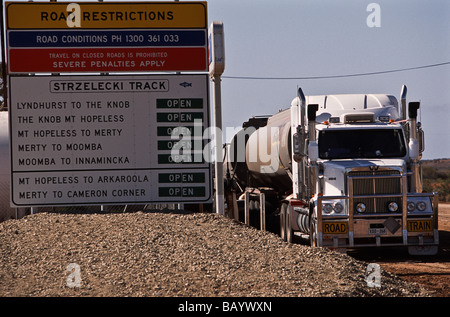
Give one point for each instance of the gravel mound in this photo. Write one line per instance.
(171, 255)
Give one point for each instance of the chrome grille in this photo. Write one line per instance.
(371, 183)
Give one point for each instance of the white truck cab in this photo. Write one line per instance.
(341, 169)
(362, 174)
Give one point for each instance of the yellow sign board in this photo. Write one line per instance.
(109, 15)
(335, 227)
(420, 225)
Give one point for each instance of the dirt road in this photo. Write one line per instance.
(432, 273)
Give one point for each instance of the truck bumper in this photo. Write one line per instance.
(374, 233)
(415, 231)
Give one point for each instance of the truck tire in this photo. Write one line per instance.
(283, 222)
(286, 232)
(289, 230)
(312, 232)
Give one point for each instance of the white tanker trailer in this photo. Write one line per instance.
(342, 169)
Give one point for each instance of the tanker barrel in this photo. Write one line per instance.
(235, 166)
(269, 153)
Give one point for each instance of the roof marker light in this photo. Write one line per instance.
(335, 120)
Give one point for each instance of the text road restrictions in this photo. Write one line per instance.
(108, 139)
(119, 37)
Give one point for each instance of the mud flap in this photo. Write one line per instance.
(422, 249)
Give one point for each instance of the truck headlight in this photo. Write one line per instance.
(360, 207)
(327, 208)
(393, 206)
(417, 205)
(421, 206)
(338, 208)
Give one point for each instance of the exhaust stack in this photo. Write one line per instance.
(414, 150)
(412, 113)
(403, 101)
(313, 151)
(312, 109)
(302, 98)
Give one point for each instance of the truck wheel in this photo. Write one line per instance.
(289, 231)
(283, 222)
(286, 232)
(312, 232)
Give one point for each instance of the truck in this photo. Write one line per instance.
(342, 171)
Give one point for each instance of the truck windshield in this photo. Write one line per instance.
(364, 143)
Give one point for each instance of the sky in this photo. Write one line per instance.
(309, 38)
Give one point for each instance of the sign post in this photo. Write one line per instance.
(216, 68)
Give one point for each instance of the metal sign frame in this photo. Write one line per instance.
(85, 140)
(100, 39)
(109, 37)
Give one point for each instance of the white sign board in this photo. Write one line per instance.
(109, 139)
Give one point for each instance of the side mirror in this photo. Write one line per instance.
(414, 152)
(420, 137)
(313, 151)
(412, 109)
(296, 148)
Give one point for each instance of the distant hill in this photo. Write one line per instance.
(440, 164)
(436, 177)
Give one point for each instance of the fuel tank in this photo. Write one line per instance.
(235, 165)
